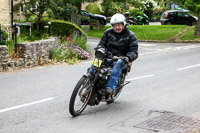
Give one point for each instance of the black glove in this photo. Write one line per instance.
(126, 59)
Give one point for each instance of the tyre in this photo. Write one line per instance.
(80, 96)
(168, 23)
(193, 23)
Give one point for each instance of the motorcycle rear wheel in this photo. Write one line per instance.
(80, 96)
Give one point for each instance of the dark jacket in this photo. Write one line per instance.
(122, 44)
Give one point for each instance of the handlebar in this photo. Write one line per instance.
(119, 57)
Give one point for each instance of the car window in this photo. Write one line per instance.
(186, 15)
(172, 14)
(180, 14)
(164, 14)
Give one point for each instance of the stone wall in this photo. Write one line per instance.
(29, 54)
(3, 57)
(5, 15)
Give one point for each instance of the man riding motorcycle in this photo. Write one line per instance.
(120, 41)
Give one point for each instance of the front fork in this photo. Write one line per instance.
(93, 79)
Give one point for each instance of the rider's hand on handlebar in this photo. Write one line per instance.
(126, 59)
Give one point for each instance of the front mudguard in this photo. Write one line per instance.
(86, 74)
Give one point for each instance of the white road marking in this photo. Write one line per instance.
(188, 67)
(172, 49)
(87, 62)
(27, 104)
(163, 50)
(136, 78)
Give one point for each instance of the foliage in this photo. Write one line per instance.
(192, 5)
(107, 7)
(135, 3)
(110, 7)
(135, 12)
(147, 6)
(42, 7)
(118, 7)
(67, 51)
(76, 3)
(61, 10)
(4, 37)
(7, 40)
(64, 28)
(93, 8)
(16, 7)
(35, 35)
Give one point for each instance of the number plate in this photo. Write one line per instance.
(96, 62)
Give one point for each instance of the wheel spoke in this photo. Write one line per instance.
(82, 97)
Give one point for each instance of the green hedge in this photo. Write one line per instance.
(64, 28)
(93, 8)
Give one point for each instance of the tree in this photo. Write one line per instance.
(58, 9)
(197, 29)
(62, 10)
(135, 3)
(78, 3)
(42, 7)
(110, 7)
(194, 6)
(147, 6)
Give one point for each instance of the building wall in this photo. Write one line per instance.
(5, 10)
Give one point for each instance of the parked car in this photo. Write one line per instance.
(178, 17)
(85, 13)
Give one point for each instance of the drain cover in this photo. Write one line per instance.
(171, 123)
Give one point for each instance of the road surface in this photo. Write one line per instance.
(164, 80)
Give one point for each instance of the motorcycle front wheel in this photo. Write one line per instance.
(80, 96)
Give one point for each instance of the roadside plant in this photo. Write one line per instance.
(67, 51)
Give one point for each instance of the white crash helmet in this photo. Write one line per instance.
(118, 18)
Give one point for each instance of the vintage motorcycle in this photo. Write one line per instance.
(90, 89)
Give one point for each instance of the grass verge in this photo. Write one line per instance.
(161, 33)
(156, 32)
(189, 36)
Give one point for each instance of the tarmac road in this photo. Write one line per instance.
(165, 78)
